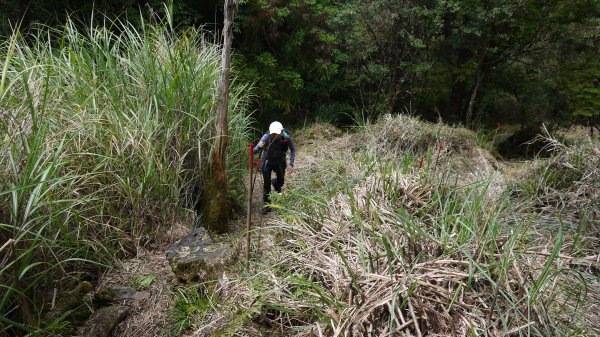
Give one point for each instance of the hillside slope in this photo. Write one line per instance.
(407, 228)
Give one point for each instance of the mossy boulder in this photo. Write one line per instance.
(523, 144)
(118, 293)
(75, 301)
(104, 321)
(197, 258)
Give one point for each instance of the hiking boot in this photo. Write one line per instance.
(265, 210)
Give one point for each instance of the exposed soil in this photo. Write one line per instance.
(147, 316)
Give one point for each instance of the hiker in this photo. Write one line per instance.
(274, 146)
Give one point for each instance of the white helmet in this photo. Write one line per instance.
(276, 128)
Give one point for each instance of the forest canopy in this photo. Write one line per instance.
(475, 61)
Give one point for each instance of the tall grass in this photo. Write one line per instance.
(105, 135)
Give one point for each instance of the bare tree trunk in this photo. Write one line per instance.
(218, 210)
(221, 141)
(473, 97)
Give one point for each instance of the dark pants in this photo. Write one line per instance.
(279, 169)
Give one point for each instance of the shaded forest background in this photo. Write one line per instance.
(470, 62)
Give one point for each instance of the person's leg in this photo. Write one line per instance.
(280, 177)
(274, 184)
(266, 171)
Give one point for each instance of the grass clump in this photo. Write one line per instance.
(317, 132)
(105, 136)
(568, 180)
(395, 135)
(189, 307)
(561, 192)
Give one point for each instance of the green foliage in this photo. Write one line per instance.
(582, 88)
(379, 54)
(189, 308)
(441, 56)
(510, 61)
(241, 317)
(142, 282)
(285, 49)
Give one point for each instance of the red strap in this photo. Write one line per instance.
(251, 157)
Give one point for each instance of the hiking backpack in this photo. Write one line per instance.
(277, 149)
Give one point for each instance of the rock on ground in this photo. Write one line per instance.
(104, 321)
(197, 258)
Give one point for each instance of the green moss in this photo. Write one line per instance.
(71, 301)
(216, 209)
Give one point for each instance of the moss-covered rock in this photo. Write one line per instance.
(118, 293)
(197, 258)
(75, 301)
(104, 321)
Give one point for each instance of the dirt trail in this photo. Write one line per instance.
(148, 316)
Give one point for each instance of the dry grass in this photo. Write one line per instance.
(147, 316)
(399, 134)
(440, 148)
(372, 241)
(569, 180)
(562, 193)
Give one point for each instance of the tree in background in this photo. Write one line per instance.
(382, 47)
(446, 57)
(464, 61)
(480, 39)
(578, 66)
(581, 92)
(285, 48)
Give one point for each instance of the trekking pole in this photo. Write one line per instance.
(258, 169)
(249, 212)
